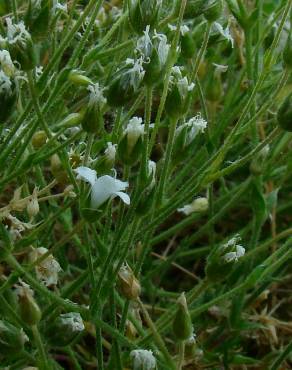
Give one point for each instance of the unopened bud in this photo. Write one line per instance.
(12, 338)
(128, 283)
(143, 13)
(68, 191)
(78, 78)
(182, 323)
(212, 10)
(57, 169)
(29, 310)
(33, 207)
(39, 139)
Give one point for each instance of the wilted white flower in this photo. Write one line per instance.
(73, 320)
(61, 7)
(184, 29)
(110, 151)
(38, 72)
(17, 227)
(15, 33)
(184, 87)
(6, 63)
(102, 188)
(136, 72)
(219, 68)
(225, 33)
(152, 171)
(163, 47)
(47, 270)
(96, 94)
(5, 84)
(144, 43)
(143, 359)
(22, 289)
(33, 205)
(194, 126)
(235, 251)
(200, 204)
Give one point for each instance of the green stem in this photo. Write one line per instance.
(43, 360)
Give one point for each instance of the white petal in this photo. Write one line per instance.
(125, 197)
(101, 191)
(86, 174)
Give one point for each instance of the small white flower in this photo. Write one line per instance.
(73, 320)
(163, 47)
(6, 63)
(96, 94)
(236, 251)
(110, 152)
(22, 289)
(16, 33)
(200, 204)
(152, 172)
(195, 125)
(225, 33)
(144, 43)
(102, 188)
(134, 130)
(143, 359)
(61, 7)
(5, 84)
(136, 72)
(184, 29)
(220, 68)
(38, 72)
(46, 271)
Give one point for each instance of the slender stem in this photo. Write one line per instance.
(181, 356)
(43, 360)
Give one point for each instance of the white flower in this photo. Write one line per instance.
(16, 33)
(6, 63)
(220, 68)
(163, 47)
(225, 33)
(96, 94)
(184, 29)
(61, 7)
(236, 251)
(152, 172)
(110, 152)
(102, 188)
(143, 359)
(73, 320)
(5, 84)
(38, 72)
(200, 204)
(22, 289)
(134, 130)
(144, 43)
(184, 87)
(47, 270)
(195, 125)
(136, 72)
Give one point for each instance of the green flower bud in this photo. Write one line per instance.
(131, 145)
(29, 310)
(65, 329)
(71, 120)
(92, 121)
(212, 9)
(194, 8)
(143, 13)
(182, 323)
(12, 338)
(77, 78)
(287, 54)
(58, 170)
(39, 139)
(176, 103)
(37, 18)
(284, 115)
(188, 45)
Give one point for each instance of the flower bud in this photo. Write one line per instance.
(77, 78)
(7, 64)
(29, 310)
(57, 170)
(284, 115)
(220, 260)
(212, 9)
(65, 329)
(12, 338)
(191, 346)
(182, 323)
(199, 205)
(194, 8)
(128, 283)
(143, 13)
(37, 18)
(39, 139)
(92, 121)
(131, 145)
(33, 207)
(188, 45)
(71, 120)
(147, 196)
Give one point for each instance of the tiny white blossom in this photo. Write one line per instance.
(219, 68)
(136, 72)
(38, 71)
(134, 130)
(110, 151)
(5, 84)
(61, 7)
(163, 47)
(195, 125)
(184, 29)
(200, 204)
(225, 33)
(144, 43)
(143, 359)
(236, 250)
(16, 33)
(6, 63)
(46, 271)
(152, 171)
(96, 94)
(73, 320)
(102, 188)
